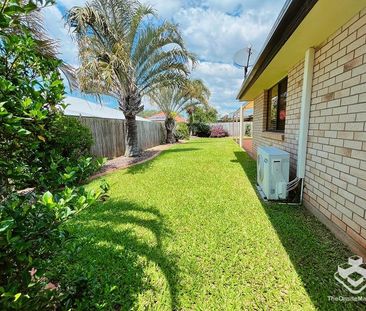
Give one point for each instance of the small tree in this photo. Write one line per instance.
(126, 54)
(205, 114)
(174, 100)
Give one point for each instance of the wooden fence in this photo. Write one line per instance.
(233, 128)
(109, 135)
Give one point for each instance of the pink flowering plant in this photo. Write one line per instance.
(218, 131)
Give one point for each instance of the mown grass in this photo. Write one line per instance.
(186, 231)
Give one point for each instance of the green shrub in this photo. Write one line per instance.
(70, 138)
(35, 153)
(181, 131)
(201, 129)
(30, 235)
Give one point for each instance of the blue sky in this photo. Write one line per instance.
(213, 29)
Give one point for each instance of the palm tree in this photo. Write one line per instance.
(175, 99)
(125, 54)
(190, 111)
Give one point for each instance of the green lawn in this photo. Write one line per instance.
(186, 231)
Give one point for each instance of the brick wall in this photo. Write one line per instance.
(336, 155)
(335, 181)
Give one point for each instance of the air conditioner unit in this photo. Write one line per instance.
(273, 167)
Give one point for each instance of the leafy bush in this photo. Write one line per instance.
(70, 138)
(182, 131)
(201, 129)
(30, 234)
(35, 154)
(218, 131)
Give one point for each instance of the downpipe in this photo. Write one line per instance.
(304, 119)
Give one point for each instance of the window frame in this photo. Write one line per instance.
(277, 86)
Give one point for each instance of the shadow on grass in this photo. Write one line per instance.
(313, 250)
(141, 168)
(180, 150)
(125, 241)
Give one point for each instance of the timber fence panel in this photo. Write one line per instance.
(109, 135)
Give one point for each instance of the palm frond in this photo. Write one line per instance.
(175, 99)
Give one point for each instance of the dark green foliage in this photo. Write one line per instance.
(199, 119)
(181, 131)
(70, 138)
(200, 129)
(30, 235)
(42, 151)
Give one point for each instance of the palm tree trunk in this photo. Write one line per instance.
(191, 127)
(169, 126)
(132, 148)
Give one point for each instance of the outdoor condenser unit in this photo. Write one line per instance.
(273, 166)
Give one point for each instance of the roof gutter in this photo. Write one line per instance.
(291, 16)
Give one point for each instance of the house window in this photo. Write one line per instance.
(276, 113)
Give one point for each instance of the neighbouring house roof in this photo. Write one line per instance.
(301, 24)
(82, 107)
(160, 117)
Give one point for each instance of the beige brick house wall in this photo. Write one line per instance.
(335, 181)
(336, 155)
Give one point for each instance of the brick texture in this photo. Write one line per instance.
(335, 181)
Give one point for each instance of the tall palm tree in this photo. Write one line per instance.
(127, 54)
(175, 99)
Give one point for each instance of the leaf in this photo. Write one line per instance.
(17, 296)
(40, 137)
(82, 200)
(23, 131)
(68, 212)
(31, 6)
(47, 198)
(57, 83)
(26, 103)
(13, 9)
(6, 224)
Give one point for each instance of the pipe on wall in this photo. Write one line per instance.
(241, 127)
(305, 115)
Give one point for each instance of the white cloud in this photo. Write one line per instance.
(216, 36)
(55, 24)
(223, 5)
(165, 8)
(223, 80)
